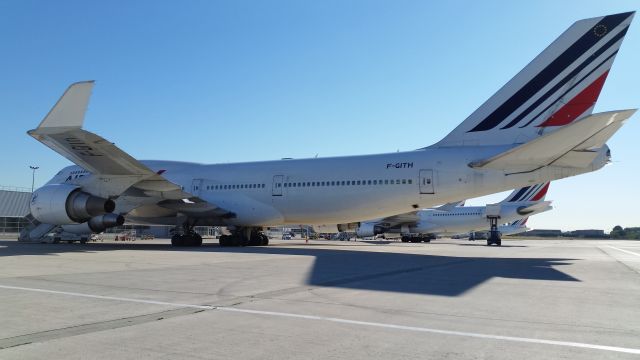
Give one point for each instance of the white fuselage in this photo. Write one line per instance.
(315, 191)
(464, 219)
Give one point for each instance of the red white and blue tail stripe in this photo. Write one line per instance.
(529, 193)
(559, 86)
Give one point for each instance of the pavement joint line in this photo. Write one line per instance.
(623, 250)
(342, 321)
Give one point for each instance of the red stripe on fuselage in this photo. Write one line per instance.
(578, 105)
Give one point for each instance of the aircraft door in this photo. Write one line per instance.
(196, 187)
(276, 188)
(426, 181)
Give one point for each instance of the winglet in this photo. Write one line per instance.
(70, 109)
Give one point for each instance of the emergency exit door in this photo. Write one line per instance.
(276, 189)
(426, 181)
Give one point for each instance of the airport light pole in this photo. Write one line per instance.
(33, 175)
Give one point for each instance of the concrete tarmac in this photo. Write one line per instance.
(449, 299)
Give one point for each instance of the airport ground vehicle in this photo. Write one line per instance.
(56, 237)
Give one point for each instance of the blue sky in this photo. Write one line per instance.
(230, 81)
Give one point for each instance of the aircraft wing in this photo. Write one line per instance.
(572, 145)
(406, 218)
(450, 206)
(61, 130)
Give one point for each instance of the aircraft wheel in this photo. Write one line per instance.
(177, 240)
(196, 240)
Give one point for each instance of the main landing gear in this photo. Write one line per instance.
(244, 237)
(187, 238)
(191, 238)
(416, 239)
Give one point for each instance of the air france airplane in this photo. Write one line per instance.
(538, 127)
(424, 225)
(516, 227)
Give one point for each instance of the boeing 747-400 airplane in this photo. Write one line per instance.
(538, 127)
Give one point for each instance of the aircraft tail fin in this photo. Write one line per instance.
(528, 193)
(559, 86)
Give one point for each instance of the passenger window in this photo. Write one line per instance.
(386, 182)
(404, 181)
(375, 182)
(409, 181)
(368, 182)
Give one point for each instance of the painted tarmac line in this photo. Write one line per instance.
(342, 321)
(623, 250)
(142, 301)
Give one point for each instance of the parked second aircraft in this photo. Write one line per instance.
(424, 225)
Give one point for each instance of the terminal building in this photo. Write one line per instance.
(14, 207)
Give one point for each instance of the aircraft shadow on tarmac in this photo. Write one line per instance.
(363, 270)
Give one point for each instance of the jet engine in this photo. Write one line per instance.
(335, 228)
(96, 224)
(370, 229)
(60, 204)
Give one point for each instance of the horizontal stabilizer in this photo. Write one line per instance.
(571, 140)
(535, 208)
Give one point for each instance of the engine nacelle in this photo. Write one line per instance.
(96, 224)
(60, 204)
(326, 228)
(370, 229)
(335, 228)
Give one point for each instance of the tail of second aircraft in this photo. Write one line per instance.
(528, 193)
(560, 85)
